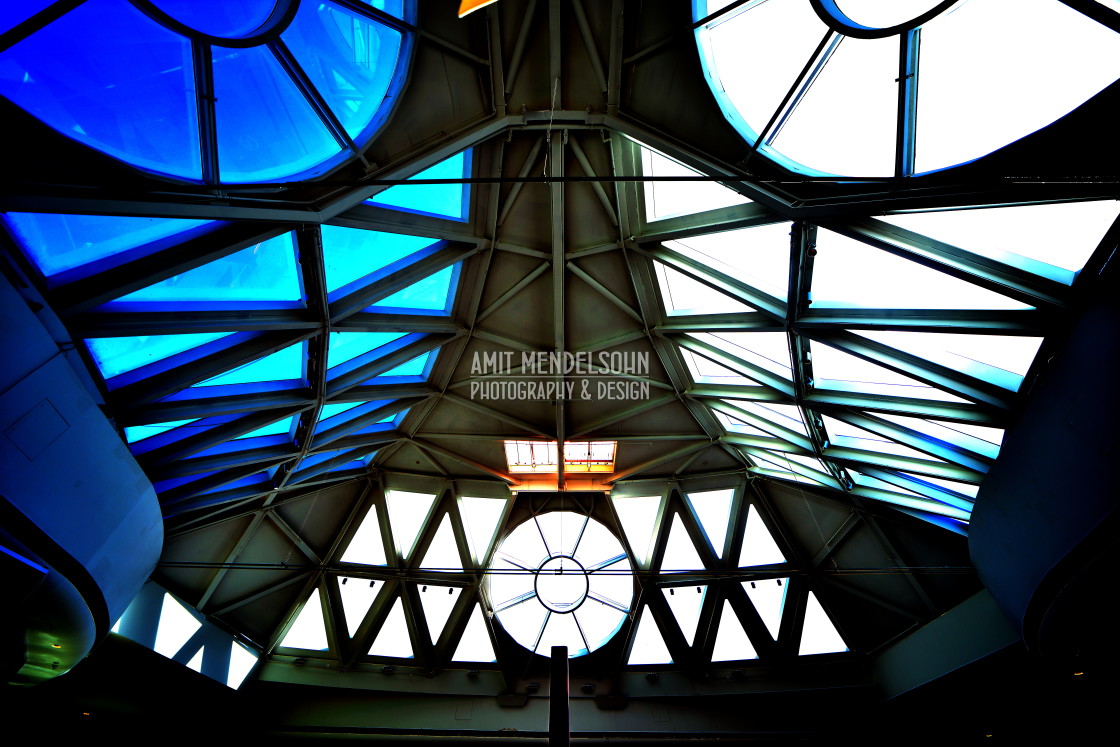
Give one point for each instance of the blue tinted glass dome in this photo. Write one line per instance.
(247, 91)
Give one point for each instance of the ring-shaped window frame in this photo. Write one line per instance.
(839, 21)
(283, 12)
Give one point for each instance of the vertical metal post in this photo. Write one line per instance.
(559, 719)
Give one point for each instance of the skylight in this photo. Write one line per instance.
(438, 200)
(542, 456)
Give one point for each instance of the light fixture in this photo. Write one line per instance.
(470, 6)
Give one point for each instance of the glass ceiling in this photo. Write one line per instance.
(835, 98)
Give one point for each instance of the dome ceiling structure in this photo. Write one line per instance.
(805, 380)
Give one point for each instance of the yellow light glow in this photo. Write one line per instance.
(469, 6)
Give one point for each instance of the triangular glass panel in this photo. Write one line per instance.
(839, 371)
(441, 200)
(345, 346)
(685, 602)
(841, 280)
(196, 661)
(707, 371)
(669, 199)
(783, 462)
(117, 355)
(407, 512)
(561, 630)
(278, 428)
(56, 242)
(443, 553)
(649, 645)
(638, 516)
(819, 635)
(786, 416)
(241, 662)
(713, 508)
(350, 254)
(759, 547)
(682, 294)
(769, 599)
(475, 645)
(1000, 359)
(948, 430)
(308, 630)
(393, 639)
(963, 488)
(599, 622)
(437, 601)
(262, 276)
(357, 597)
(433, 294)
(480, 519)
(844, 434)
(366, 547)
(134, 433)
(766, 350)
(414, 367)
(285, 364)
(176, 626)
(680, 553)
(732, 643)
(331, 409)
(1063, 236)
(758, 256)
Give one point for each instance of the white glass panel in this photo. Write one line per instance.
(357, 597)
(561, 630)
(767, 350)
(196, 661)
(648, 646)
(392, 639)
(848, 436)
(1063, 235)
(845, 123)
(366, 546)
(597, 545)
(984, 83)
(680, 553)
(759, 548)
(787, 416)
(685, 602)
(480, 518)
(999, 359)
(407, 512)
(732, 643)
(878, 14)
(561, 530)
(598, 621)
(977, 438)
(686, 295)
(819, 635)
(839, 371)
(638, 516)
(713, 508)
(769, 599)
(308, 630)
(668, 199)
(437, 601)
(706, 371)
(241, 662)
(758, 256)
(443, 552)
(176, 626)
(614, 583)
(850, 274)
(737, 426)
(475, 644)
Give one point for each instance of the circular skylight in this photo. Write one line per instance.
(871, 88)
(561, 579)
(255, 91)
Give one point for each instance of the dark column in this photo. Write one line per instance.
(559, 721)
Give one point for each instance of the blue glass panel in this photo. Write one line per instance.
(392, 7)
(356, 464)
(353, 253)
(279, 428)
(345, 346)
(260, 478)
(433, 293)
(334, 409)
(441, 200)
(56, 243)
(417, 367)
(117, 355)
(226, 19)
(279, 366)
(262, 274)
(266, 129)
(110, 77)
(13, 13)
(349, 59)
(134, 433)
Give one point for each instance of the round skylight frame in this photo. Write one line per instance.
(587, 609)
